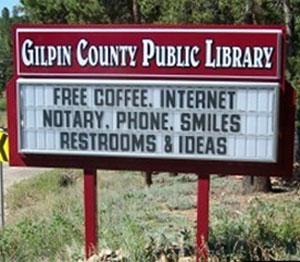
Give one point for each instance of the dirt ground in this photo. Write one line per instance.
(13, 175)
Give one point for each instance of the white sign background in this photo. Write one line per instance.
(239, 122)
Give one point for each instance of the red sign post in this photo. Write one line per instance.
(202, 217)
(179, 99)
(90, 211)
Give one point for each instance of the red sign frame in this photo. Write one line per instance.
(283, 166)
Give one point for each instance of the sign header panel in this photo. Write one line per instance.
(149, 52)
(149, 119)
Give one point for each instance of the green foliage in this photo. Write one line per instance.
(265, 231)
(2, 104)
(6, 22)
(48, 224)
(66, 11)
(37, 239)
(48, 218)
(131, 215)
(34, 190)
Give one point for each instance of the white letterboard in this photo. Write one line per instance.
(232, 121)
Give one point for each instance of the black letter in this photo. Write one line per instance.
(185, 123)
(235, 123)
(64, 140)
(221, 144)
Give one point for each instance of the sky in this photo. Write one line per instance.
(8, 3)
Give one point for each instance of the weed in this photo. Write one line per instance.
(147, 224)
(2, 103)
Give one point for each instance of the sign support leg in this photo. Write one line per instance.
(202, 218)
(90, 211)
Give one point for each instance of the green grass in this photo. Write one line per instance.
(3, 117)
(267, 230)
(46, 219)
(2, 103)
(3, 122)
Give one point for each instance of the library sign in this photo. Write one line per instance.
(167, 98)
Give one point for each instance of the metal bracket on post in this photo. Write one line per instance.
(90, 212)
(202, 218)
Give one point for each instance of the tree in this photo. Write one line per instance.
(65, 11)
(136, 12)
(251, 184)
(6, 21)
(76, 11)
(5, 55)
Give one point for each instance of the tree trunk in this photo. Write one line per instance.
(148, 178)
(135, 12)
(248, 16)
(296, 145)
(253, 184)
(289, 20)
